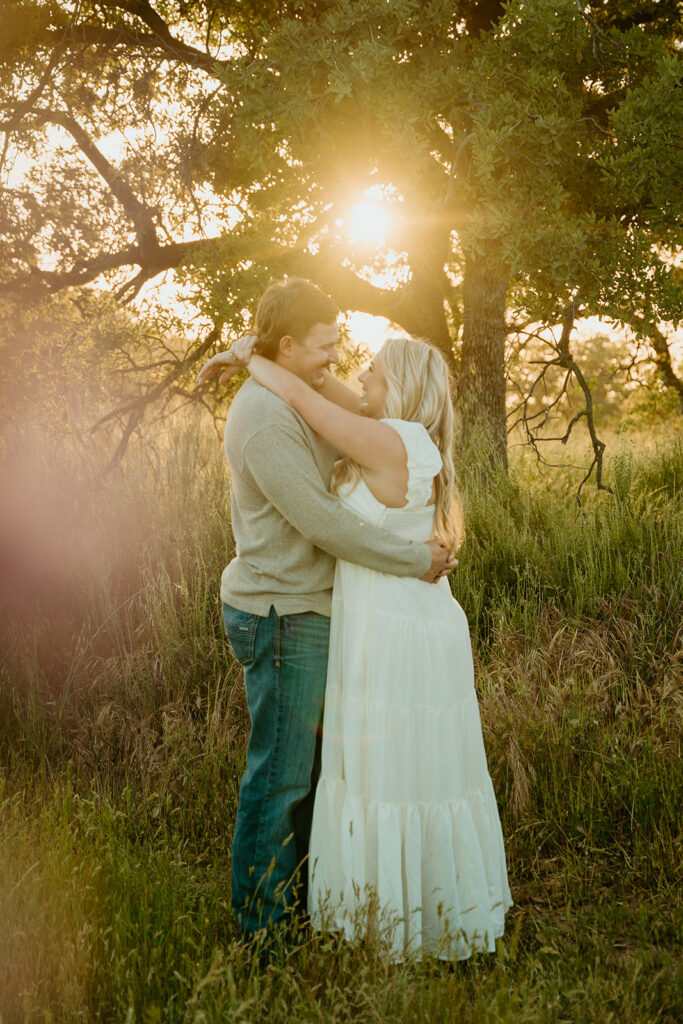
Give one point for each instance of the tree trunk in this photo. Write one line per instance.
(662, 355)
(481, 378)
(665, 368)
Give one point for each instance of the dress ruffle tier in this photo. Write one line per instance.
(438, 871)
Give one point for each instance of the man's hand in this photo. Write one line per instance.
(443, 562)
(229, 363)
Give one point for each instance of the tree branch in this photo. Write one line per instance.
(136, 409)
(122, 35)
(405, 306)
(26, 105)
(138, 213)
(160, 39)
(596, 108)
(39, 283)
(565, 359)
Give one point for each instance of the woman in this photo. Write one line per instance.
(406, 839)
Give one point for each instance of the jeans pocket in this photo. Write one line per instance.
(306, 628)
(240, 629)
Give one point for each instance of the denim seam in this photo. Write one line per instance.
(278, 736)
(278, 621)
(252, 627)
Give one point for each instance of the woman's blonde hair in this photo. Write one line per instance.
(419, 389)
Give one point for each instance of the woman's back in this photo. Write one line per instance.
(414, 520)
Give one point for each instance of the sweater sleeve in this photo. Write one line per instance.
(283, 468)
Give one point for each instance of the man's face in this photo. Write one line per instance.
(309, 358)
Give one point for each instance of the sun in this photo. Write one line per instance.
(368, 223)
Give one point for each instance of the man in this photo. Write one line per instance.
(277, 591)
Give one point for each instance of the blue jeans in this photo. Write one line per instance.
(285, 669)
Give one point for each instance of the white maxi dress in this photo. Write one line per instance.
(406, 832)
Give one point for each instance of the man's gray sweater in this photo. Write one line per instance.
(288, 528)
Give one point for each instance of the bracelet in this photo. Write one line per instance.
(234, 359)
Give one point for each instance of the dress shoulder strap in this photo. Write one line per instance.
(424, 460)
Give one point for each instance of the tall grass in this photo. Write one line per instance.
(123, 731)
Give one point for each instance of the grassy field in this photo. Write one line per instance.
(123, 731)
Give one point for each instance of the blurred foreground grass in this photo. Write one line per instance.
(123, 731)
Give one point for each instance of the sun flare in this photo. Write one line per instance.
(368, 222)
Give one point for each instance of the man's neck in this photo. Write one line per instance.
(285, 364)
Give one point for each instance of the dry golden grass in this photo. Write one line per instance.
(124, 729)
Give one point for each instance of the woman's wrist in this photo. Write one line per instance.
(241, 350)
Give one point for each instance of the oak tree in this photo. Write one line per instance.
(528, 154)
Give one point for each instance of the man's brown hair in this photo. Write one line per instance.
(291, 306)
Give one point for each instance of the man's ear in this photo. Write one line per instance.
(285, 345)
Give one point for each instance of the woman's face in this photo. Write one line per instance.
(374, 392)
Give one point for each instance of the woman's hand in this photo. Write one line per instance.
(243, 349)
(230, 362)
